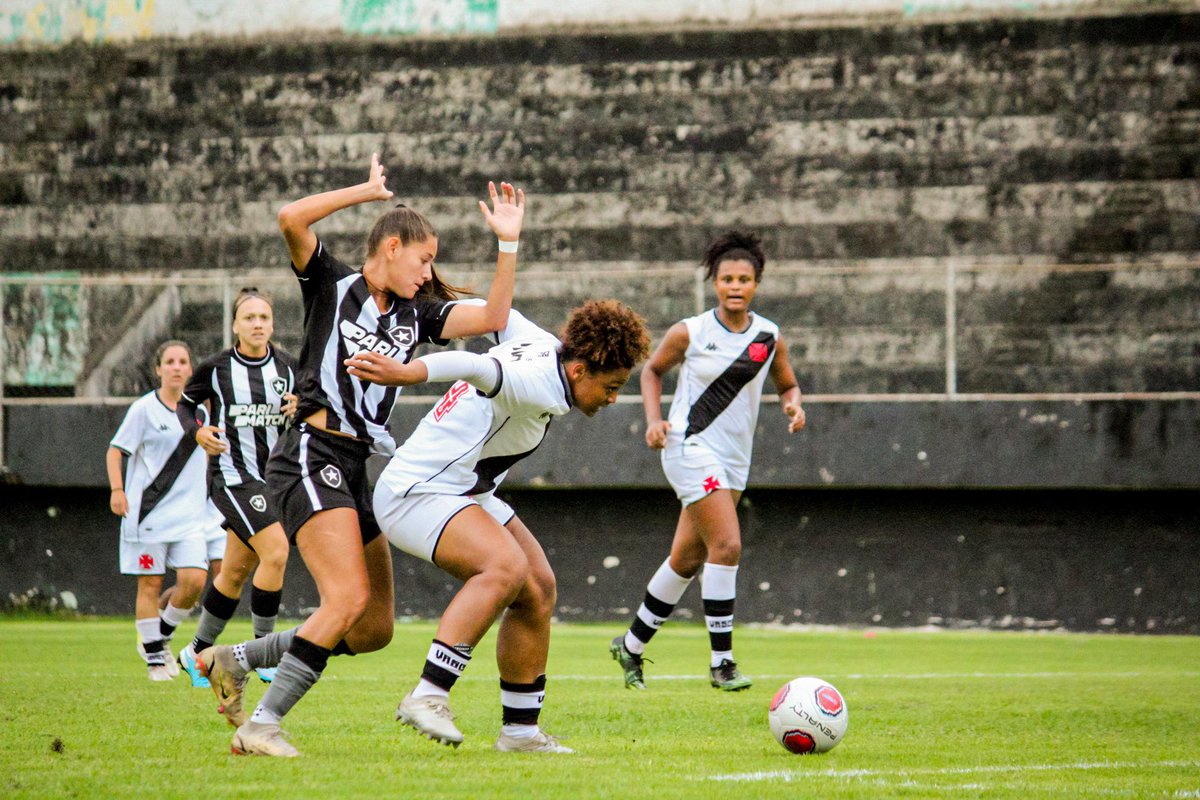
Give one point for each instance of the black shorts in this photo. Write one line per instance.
(246, 507)
(311, 470)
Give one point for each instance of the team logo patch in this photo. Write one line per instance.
(332, 476)
(279, 386)
(145, 561)
(829, 701)
(799, 741)
(711, 484)
(403, 335)
(758, 352)
(258, 503)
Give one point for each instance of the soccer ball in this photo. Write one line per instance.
(808, 715)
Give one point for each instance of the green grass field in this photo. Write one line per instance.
(932, 714)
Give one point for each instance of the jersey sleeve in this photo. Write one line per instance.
(518, 325)
(131, 432)
(431, 318)
(190, 408)
(530, 383)
(322, 269)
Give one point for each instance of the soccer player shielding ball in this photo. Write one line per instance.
(724, 355)
(496, 412)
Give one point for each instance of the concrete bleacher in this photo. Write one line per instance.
(872, 158)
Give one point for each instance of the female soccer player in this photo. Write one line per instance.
(247, 390)
(724, 357)
(436, 499)
(160, 499)
(316, 475)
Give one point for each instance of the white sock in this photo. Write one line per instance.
(519, 731)
(427, 689)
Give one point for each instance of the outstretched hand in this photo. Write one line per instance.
(376, 368)
(378, 180)
(507, 212)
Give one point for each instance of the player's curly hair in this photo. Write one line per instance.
(606, 335)
(734, 246)
(411, 226)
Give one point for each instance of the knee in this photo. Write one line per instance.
(510, 573)
(234, 575)
(725, 551)
(539, 594)
(347, 606)
(274, 560)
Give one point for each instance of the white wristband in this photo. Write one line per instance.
(508, 247)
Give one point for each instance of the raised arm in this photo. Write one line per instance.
(787, 388)
(669, 355)
(297, 218)
(504, 218)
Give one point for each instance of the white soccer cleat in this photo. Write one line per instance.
(262, 739)
(169, 660)
(227, 680)
(158, 672)
(431, 717)
(540, 742)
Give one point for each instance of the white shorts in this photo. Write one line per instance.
(694, 471)
(214, 543)
(155, 558)
(415, 523)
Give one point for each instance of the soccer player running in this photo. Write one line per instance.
(160, 499)
(436, 499)
(316, 475)
(247, 391)
(724, 357)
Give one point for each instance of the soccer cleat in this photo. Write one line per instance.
(630, 662)
(261, 739)
(169, 659)
(265, 674)
(726, 677)
(431, 717)
(187, 660)
(227, 680)
(540, 742)
(158, 672)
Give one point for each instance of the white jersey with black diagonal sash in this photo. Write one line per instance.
(720, 385)
(246, 396)
(468, 441)
(340, 319)
(164, 479)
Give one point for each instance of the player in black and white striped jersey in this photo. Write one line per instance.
(248, 389)
(316, 476)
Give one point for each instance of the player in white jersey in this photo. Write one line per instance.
(316, 474)
(436, 499)
(160, 497)
(724, 355)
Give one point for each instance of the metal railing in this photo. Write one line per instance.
(683, 284)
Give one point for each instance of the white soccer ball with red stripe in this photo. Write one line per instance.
(808, 715)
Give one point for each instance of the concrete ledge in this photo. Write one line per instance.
(1013, 442)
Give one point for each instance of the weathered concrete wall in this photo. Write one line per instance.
(57, 21)
(873, 158)
(1121, 561)
(1042, 444)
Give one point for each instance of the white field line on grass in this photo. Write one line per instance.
(847, 774)
(849, 676)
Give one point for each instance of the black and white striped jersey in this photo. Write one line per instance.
(720, 385)
(340, 319)
(246, 396)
